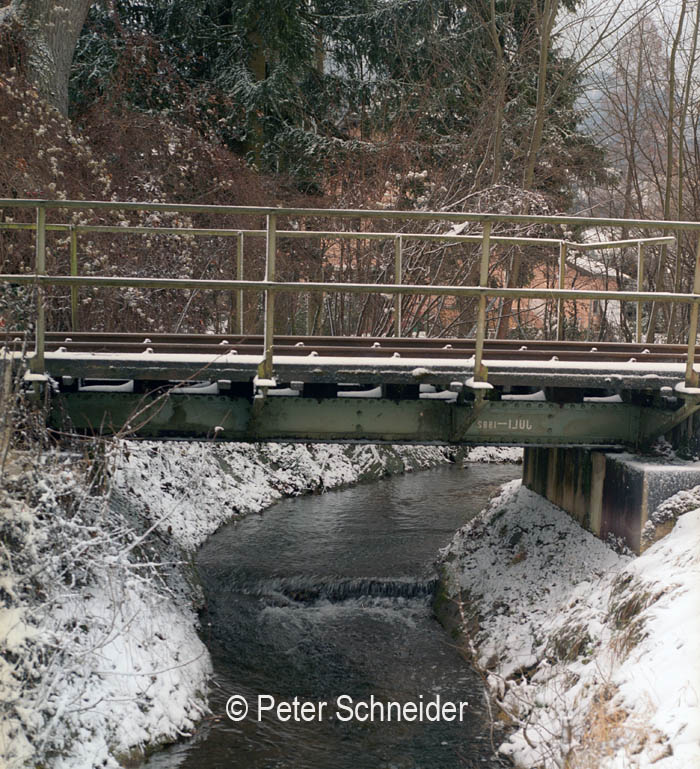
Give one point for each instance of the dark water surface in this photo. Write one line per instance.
(329, 595)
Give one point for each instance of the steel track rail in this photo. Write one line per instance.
(363, 347)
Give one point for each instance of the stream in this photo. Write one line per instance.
(329, 596)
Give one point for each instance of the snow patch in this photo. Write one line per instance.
(512, 454)
(99, 655)
(591, 654)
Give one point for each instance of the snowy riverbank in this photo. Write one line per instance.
(190, 489)
(100, 658)
(591, 655)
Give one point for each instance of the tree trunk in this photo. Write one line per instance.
(258, 68)
(687, 90)
(51, 30)
(545, 24)
(651, 330)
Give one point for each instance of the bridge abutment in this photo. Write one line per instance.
(608, 494)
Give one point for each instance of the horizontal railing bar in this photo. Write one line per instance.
(282, 233)
(32, 226)
(214, 232)
(669, 241)
(410, 236)
(346, 213)
(352, 288)
(340, 234)
(133, 230)
(301, 234)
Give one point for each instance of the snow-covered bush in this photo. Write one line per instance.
(98, 651)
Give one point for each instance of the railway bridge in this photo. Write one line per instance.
(263, 383)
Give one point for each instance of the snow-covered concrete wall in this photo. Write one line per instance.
(611, 495)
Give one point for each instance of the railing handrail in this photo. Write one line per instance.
(568, 294)
(339, 234)
(271, 287)
(343, 213)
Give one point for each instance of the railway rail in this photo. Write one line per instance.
(323, 365)
(357, 347)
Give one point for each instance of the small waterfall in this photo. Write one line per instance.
(310, 590)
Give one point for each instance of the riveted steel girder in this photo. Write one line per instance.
(372, 420)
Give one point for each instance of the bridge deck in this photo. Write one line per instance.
(612, 366)
(365, 389)
(417, 390)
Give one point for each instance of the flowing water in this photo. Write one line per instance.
(330, 595)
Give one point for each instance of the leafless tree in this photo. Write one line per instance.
(646, 119)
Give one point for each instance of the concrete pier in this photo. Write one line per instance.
(608, 494)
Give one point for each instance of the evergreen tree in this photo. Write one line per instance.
(308, 86)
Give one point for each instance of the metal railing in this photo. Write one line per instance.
(270, 287)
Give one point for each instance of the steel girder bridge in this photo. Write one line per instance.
(258, 387)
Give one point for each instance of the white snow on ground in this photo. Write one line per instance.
(592, 655)
(99, 656)
(660, 678)
(494, 454)
(190, 489)
(141, 677)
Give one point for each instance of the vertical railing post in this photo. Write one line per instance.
(398, 271)
(239, 276)
(40, 269)
(265, 369)
(691, 378)
(74, 273)
(480, 372)
(563, 251)
(640, 287)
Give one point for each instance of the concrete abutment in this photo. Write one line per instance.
(608, 494)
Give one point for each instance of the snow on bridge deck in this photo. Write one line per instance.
(614, 375)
